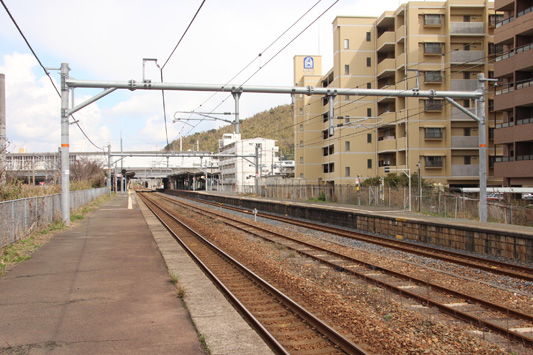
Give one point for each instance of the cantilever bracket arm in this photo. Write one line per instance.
(468, 113)
(90, 101)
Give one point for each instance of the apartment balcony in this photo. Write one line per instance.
(516, 59)
(400, 61)
(463, 85)
(471, 170)
(467, 57)
(400, 143)
(386, 144)
(387, 117)
(386, 67)
(508, 97)
(467, 28)
(503, 5)
(520, 131)
(458, 115)
(386, 42)
(462, 142)
(512, 26)
(393, 169)
(400, 33)
(509, 168)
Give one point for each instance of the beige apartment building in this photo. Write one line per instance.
(426, 45)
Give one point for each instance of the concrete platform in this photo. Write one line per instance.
(101, 287)
(224, 330)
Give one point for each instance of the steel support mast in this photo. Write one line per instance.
(237, 90)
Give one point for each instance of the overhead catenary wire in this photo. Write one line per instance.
(260, 55)
(166, 62)
(45, 71)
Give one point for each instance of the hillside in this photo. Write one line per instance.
(276, 123)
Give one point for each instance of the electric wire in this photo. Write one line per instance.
(166, 62)
(324, 12)
(46, 71)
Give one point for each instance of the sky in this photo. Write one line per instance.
(108, 39)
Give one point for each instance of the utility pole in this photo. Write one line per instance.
(109, 170)
(257, 168)
(3, 139)
(65, 154)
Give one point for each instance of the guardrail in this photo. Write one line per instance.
(19, 218)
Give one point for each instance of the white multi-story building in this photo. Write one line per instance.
(240, 173)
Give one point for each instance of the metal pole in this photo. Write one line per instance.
(109, 170)
(236, 96)
(3, 139)
(256, 168)
(65, 161)
(482, 150)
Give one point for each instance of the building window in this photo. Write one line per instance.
(369, 85)
(347, 97)
(466, 18)
(467, 131)
(368, 36)
(301, 160)
(491, 74)
(328, 168)
(346, 44)
(368, 112)
(433, 105)
(369, 163)
(346, 69)
(491, 105)
(433, 133)
(368, 61)
(434, 76)
(369, 137)
(495, 48)
(432, 20)
(301, 127)
(347, 171)
(347, 119)
(467, 160)
(301, 143)
(434, 162)
(494, 19)
(347, 146)
(301, 175)
(432, 48)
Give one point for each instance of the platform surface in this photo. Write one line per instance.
(100, 287)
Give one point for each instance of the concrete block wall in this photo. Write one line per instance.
(511, 245)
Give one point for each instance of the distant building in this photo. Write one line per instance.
(240, 174)
(513, 39)
(427, 45)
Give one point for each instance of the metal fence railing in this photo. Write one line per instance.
(19, 218)
(433, 201)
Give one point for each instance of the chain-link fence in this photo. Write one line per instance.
(19, 218)
(434, 201)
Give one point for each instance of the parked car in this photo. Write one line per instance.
(495, 196)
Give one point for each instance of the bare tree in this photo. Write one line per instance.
(86, 169)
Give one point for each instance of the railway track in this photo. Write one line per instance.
(492, 266)
(467, 307)
(285, 326)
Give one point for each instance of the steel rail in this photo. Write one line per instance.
(443, 307)
(491, 266)
(322, 327)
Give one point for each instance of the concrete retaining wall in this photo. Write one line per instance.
(508, 244)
